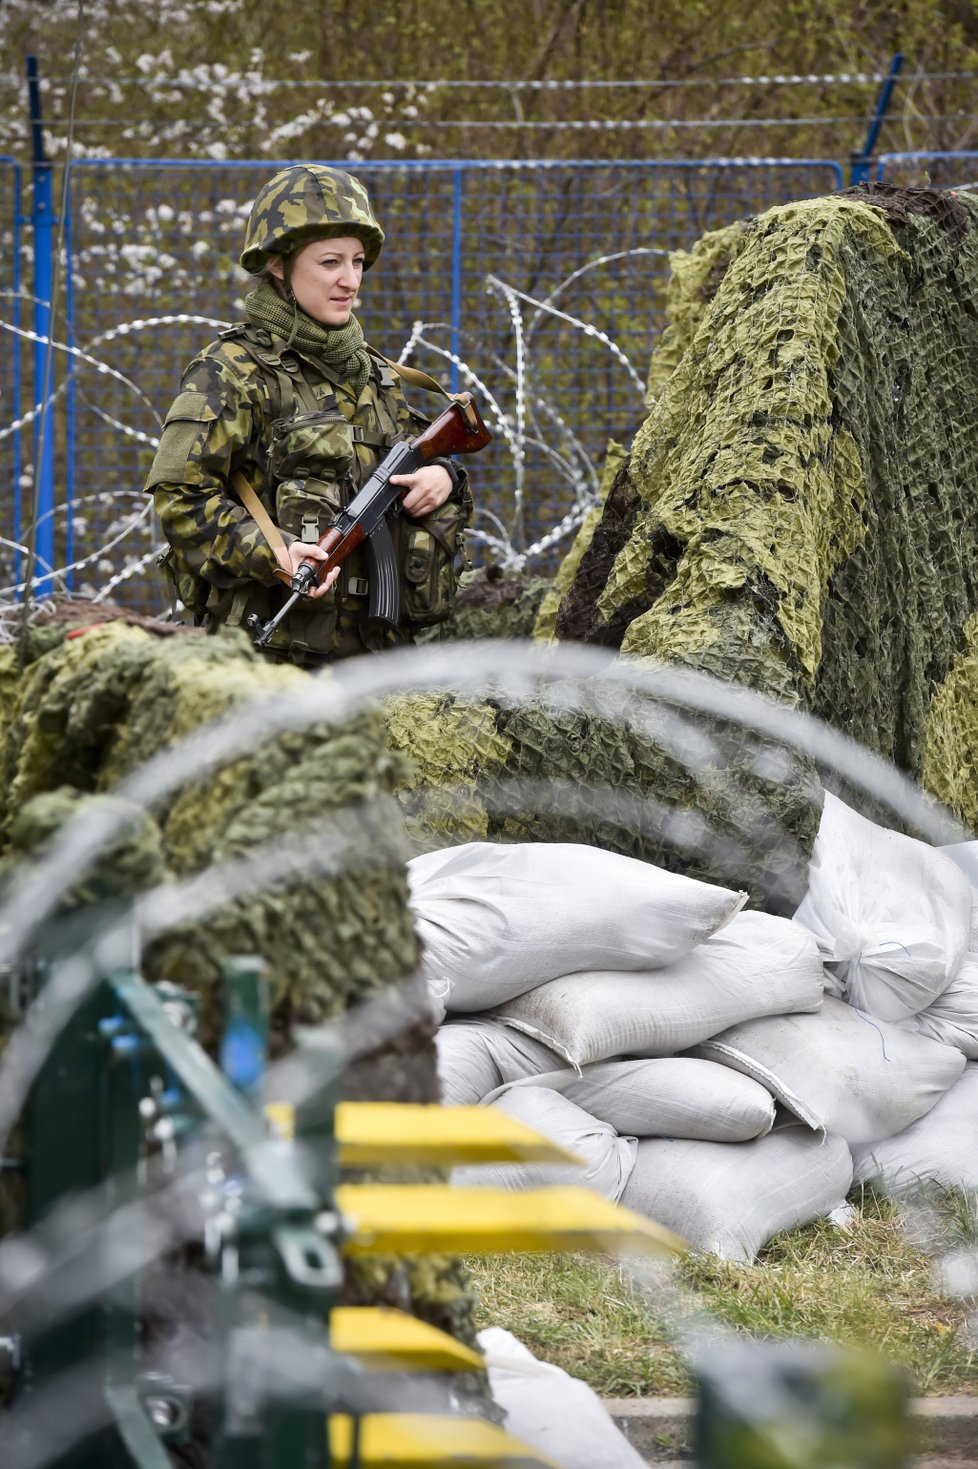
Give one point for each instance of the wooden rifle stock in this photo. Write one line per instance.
(459, 430)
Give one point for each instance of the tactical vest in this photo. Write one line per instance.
(320, 447)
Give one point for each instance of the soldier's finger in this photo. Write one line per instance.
(326, 584)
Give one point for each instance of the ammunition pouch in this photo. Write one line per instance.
(430, 551)
(317, 445)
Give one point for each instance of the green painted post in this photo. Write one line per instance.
(88, 1115)
(66, 1142)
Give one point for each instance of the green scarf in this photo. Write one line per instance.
(340, 347)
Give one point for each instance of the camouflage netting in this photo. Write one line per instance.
(797, 515)
(493, 603)
(798, 510)
(88, 710)
(545, 625)
(93, 709)
(951, 745)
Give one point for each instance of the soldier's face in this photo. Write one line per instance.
(326, 276)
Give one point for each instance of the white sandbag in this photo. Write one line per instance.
(477, 1056)
(891, 914)
(606, 1158)
(680, 1097)
(965, 855)
(550, 1411)
(952, 1018)
(495, 920)
(756, 965)
(730, 1198)
(840, 1070)
(941, 1147)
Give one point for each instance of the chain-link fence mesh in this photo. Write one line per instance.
(159, 239)
(929, 170)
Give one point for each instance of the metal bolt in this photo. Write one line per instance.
(177, 1014)
(163, 1413)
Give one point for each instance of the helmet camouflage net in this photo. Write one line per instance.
(304, 202)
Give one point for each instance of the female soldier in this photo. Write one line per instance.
(279, 422)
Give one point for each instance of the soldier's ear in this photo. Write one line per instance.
(275, 267)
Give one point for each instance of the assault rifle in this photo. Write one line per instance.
(459, 430)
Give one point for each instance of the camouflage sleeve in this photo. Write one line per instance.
(213, 429)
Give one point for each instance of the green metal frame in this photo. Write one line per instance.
(124, 1090)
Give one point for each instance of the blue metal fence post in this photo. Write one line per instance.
(15, 360)
(862, 161)
(43, 221)
(456, 274)
(68, 488)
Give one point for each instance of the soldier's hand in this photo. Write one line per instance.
(290, 558)
(427, 488)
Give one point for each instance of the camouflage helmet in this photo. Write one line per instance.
(308, 201)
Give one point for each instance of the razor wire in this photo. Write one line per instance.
(524, 84)
(510, 547)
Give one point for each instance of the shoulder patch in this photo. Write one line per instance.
(197, 407)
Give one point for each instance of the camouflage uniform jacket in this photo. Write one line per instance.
(304, 442)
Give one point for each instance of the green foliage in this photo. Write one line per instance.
(226, 108)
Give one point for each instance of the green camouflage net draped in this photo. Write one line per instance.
(950, 758)
(545, 625)
(91, 710)
(86, 711)
(798, 511)
(795, 515)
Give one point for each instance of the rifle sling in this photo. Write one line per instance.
(251, 501)
(413, 375)
(257, 511)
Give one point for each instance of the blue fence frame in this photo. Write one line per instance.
(11, 381)
(139, 236)
(156, 237)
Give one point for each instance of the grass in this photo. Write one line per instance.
(873, 1284)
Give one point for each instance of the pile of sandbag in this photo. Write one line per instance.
(725, 1072)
